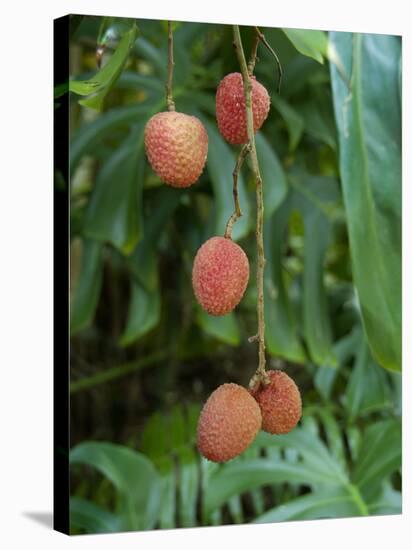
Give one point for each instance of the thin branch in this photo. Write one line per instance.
(238, 212)
(253, 55)
(169, 86)
(261, 375)
(272, 51)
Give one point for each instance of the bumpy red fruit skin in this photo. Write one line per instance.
(220, 275)
(228, 423)
(176, 146)
(231, 108)
(280, 403)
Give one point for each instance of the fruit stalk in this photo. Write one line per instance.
(261, 375)
(253, 55)
(170, 64)
(261, 37)
(238, 212)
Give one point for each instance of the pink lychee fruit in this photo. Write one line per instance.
(228, 423)
(220, 275)
(280, 403)
(176, 146)
(231, 108)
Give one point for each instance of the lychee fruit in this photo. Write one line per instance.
(279, 402)
(176, 146)
(220, 275)
(228, 423)
(231, 108)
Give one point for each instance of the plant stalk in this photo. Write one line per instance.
(170, 64)
(261, 37)
(237, 212)
(261, 375)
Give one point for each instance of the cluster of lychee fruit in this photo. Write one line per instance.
(232, 416)
(176, 145)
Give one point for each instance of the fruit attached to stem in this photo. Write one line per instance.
(220, 275)
(176, 145)
(228, 423)
(280, 403)
(231, 108)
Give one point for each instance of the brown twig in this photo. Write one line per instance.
(261, 375)
(169, 86)
(272, 51)
(238, 212)
(253, 55)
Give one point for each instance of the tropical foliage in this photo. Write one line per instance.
(145, 357)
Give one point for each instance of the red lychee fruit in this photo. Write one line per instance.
(220, 275)
(231, 108)
(280, 403)
(176, 146)
(228, 423)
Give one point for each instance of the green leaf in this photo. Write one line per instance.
(92, 518)
(389, 502)
(316, 197)
(142, 83)
(281, 330)
(188, 486)
(153, 442)
(144, 258)
(114, 211)
(321, 504)
(334, 434)
(235, 507)
(273, 177)
(156, 445)
(293, 120)
(369, 124)
(133, 475)
(368, 388)
(154, 55)
(343, 349)
(313, 44)
(239, 477)
(105, 79)
(317, 466)
(220, 165)
(224, 328)
(379, 456)
(167, 439)
(143, 314)
(319, 119)
(168, 480)
(316, 319)
(315, 454)
(89, 137)
(87, 290)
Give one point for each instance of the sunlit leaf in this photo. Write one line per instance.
(106, 77)
(311, 43)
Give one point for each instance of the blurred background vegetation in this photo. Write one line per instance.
(144, 357)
